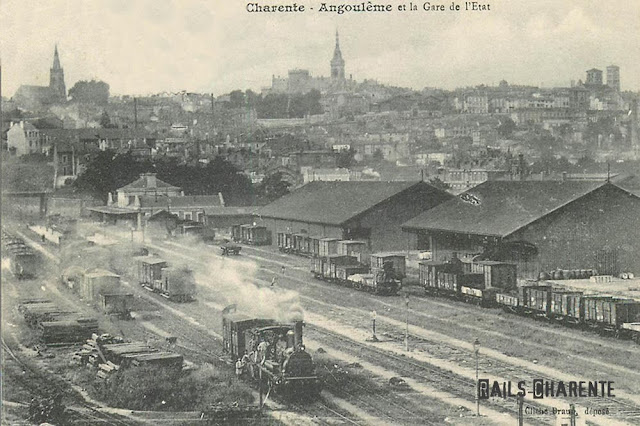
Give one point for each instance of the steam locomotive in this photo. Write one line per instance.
(271, 352)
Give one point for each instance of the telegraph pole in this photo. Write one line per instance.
(520, 411)
(373, 325)
(406, 330)
(476, 349)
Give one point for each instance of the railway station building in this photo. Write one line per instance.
(540, 226)
(354, 210)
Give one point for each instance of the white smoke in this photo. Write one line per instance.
(236, 282)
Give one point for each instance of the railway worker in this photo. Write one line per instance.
(282, 269)
(245, 358)
(239, 368)
(274, 281)
(262, 349)
(281, 347)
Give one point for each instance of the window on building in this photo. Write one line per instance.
(65, 158)
(187, 216)
(201, 217)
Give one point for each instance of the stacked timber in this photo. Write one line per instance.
(106, 369)
(115, 352)
(45, 311)
(67, 331)
(160, 359)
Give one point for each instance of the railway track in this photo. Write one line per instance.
(625, 410)
(619, 409)
(202, 345)
(292, 264)
(439, 381)
(85, 409)
(424, 373)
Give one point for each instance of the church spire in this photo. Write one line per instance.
(336, 53)
(56, 59)
(56, 79)
(337, 63)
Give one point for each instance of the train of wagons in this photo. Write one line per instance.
(348, 262)
(20, 259)
(176, 284)
(494, 284)
(271, 352)
(256, 235)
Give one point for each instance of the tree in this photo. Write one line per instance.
(378, 155)
(109, 171)
(439, 183)
(506, 127)
(346, 158)
(90, 92)
(105, 121)
(236, 99)
(272, 188)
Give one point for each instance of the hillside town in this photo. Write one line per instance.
(308, 128)
(322, 250)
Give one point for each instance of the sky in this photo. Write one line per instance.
(215, 46)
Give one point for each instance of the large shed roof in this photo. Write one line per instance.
(334, 203)
(499, 208)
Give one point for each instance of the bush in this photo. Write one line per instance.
(156, 389)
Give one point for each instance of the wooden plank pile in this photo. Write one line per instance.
(54, 324)
(67, 331)
(91, 347)
(108, 354)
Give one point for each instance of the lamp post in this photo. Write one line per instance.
(476, 350)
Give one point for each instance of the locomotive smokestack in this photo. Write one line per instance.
(297, 327)
(291, 340)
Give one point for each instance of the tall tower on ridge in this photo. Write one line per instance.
(337, 63)
(56, 79)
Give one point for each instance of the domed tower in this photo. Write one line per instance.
(56, 79)
(337, 63)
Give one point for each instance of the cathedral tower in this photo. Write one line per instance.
(337, 63)
(56, 79)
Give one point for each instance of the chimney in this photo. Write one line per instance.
(291, 339)
(21, 124)
(221, 199)
(297, 328)
(151, 180)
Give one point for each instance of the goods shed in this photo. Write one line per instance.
(537, 225)
(366, 211)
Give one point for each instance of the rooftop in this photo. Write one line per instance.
(499, 208)
(334, 202)
(148, 181)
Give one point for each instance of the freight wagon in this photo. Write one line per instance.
(347, 271)
(256, 235)
(609, 313)
(175, 284)
(605, 314)
(23, 262)
(20, 259)
(476, 282)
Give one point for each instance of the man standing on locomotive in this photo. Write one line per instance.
(239, 368)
